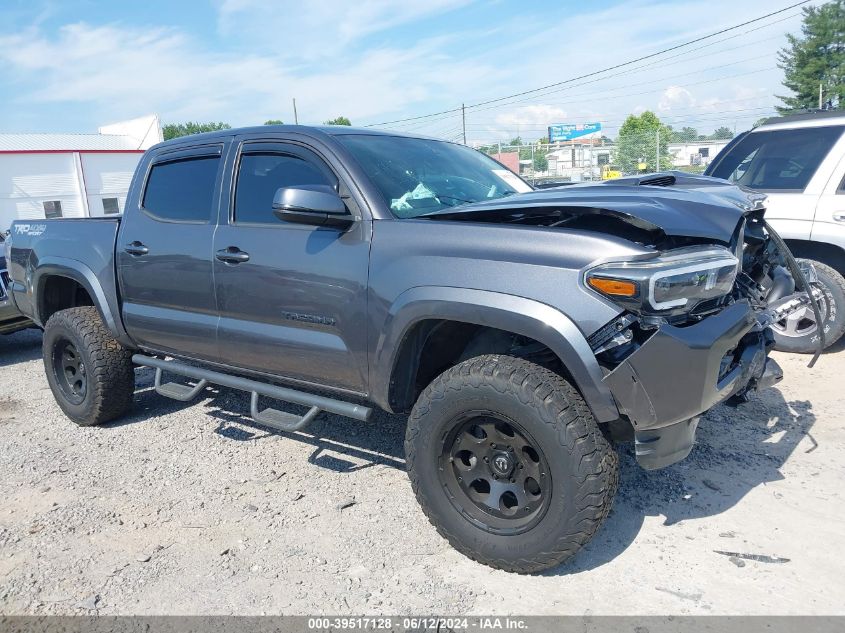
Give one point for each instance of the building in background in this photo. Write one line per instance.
(695, 153)
(579, 160)
(71, 175)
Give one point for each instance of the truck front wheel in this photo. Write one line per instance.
(509, 464)
(89, 372)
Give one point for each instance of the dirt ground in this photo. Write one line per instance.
(191, 509)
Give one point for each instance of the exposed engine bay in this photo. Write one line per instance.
(695, 329)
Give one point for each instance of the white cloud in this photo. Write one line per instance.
(309, 30)
(674, 98)
(377, 60)
(543, 114)
(130, 70)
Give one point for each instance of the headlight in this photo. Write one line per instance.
(676, 280)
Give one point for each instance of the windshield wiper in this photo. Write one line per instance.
(461, 200)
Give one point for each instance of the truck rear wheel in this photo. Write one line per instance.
(89, 372)
(799, 333)
(509, 464)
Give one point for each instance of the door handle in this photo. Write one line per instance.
(136, 248)
(839, 216)
(232, 255)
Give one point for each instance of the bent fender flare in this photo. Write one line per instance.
(84, 276)
(511, 313)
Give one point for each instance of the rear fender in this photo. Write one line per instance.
(106, 303)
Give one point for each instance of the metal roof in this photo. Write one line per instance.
(66, 142)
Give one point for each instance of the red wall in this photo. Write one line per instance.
(509, 160)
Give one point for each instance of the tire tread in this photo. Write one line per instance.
(557, 404)
(111, 377)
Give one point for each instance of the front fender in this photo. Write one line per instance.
(519, 315)
(105, 302)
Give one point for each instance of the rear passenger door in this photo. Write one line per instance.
(164, 253)
(295, 306)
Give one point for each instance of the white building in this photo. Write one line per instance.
(695, 153)
(579, 161)
(71, 175)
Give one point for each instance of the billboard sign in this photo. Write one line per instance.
(569, 131)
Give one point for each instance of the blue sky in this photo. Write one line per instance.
(77, 64)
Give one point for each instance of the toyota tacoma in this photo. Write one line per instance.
(525, 332)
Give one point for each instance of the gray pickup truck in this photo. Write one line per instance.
(339, 269)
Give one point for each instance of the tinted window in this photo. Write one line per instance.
(260, 175)
(182, 190)
(778, 160)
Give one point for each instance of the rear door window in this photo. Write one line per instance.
(778, 160)
(182, 190)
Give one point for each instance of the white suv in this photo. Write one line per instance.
(799, 161)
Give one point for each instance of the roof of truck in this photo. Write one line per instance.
(310, 130)
(819, 118)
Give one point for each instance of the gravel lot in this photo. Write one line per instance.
(193, 510)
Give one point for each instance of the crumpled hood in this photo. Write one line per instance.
(675, 203)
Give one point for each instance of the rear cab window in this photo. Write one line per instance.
(182, 189)
(778, 160)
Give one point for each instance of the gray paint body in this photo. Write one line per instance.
(327, 307)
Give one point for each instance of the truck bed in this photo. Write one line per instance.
(84, 246)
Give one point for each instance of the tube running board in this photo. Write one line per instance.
(272, 418)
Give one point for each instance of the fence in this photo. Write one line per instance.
(596, 159)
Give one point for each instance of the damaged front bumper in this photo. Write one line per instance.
(681, 372)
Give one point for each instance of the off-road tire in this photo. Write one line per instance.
(834, 319)
(582, 462)
(107, 366)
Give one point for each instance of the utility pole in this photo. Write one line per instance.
(295, 118)
(821, 99)
(464, 121)
(657, 150)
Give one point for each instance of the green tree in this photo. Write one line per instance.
(816, 57)
(175, 130)
(274, 122)
(637, 143)
(721, 133)
(760, 122)
(341, 120)
(684, 135)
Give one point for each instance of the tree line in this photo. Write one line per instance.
(175, 130)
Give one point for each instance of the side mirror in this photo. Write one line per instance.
(316, 205)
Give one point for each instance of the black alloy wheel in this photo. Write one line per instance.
(69, 371)
(495, 473)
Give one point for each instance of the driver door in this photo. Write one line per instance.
(292, 302)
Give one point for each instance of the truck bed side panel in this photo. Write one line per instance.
(81, 249)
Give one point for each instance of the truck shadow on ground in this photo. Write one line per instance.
(20, 347)
(340, 444)
(738, 449)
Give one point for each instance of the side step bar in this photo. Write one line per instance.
(272, 418)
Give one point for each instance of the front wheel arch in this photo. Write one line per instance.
(509, 313)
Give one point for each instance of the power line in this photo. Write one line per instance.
(687, 85)
(598, 72)
(662, 62)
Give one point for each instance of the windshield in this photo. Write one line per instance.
(419, 176)
(777, 160)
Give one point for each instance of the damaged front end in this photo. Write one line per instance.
(695, 331)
